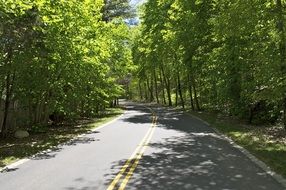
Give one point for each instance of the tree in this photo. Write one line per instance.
(59, 60)
(228, 56)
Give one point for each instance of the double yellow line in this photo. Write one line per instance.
(128, 168)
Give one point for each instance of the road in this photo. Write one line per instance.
(143, 149)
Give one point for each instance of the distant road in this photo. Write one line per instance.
(145, 149)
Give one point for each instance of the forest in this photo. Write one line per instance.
(62, 60)
(223, 56)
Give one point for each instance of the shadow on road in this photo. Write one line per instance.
(143, 114)
(193, 157)
(51, 153)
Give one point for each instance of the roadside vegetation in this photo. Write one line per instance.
(63, 66)
(225, 56)
(268, 143)
(61, 60)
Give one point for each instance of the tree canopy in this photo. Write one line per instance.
(58, 58)
(224, 56)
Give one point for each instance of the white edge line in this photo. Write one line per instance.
(24, 160)
(258, 162)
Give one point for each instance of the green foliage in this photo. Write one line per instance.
(222, 55)
(59, 57)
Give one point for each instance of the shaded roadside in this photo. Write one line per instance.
(13, 149)
(268, 143)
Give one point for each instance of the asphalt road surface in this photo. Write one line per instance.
(145, 149)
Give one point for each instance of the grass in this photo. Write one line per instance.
(12, 149)
(267, 143)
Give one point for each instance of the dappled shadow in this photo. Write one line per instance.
(139, 119)
(140, 114)
(43, 156)
(52, 137)
(82, 188)
(81, 140)
(92, 132)
(81, 183)
(51, 153)
(48, 148)
(6, 170)
(194, 157)
(198, 162)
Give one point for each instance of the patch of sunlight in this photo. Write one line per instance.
(10, 159)
(255, 139)
(239, 135)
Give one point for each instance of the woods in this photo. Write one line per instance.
(62, 60)
(222, 56)
(59, 60)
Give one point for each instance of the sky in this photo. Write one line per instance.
(136, 2)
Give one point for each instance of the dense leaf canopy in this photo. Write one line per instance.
(221, 55)
(59, 59)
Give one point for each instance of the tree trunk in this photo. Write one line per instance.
(156, 87)
(169, 92)
(163, 89)
(191, 93)
(180, 92)
(9, 90)
(6, 106)
(1, 102)
(151, 98)
(282, 49)
(176, 98)
(189, 62)
(8, 87)
(146, 91)
(45, 113)
(167, 85)
(140, 90)
(196, 95)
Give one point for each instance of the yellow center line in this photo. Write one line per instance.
(136, 155)
(139, 156)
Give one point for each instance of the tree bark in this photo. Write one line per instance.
(180, 92)
(282, 49)
(191, 94)
(196, 95)
(176, 98)
(156, 87)
(167, 85)
(151, 98)
(140, 90)
(8, 87)
(146, 92)
(1, 101)
(163, 88)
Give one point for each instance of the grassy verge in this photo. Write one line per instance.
(267, 143)
(12, 149)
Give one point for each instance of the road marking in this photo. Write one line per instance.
(137, 159)
(127, 163)
(110, 122)
(136, 155)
